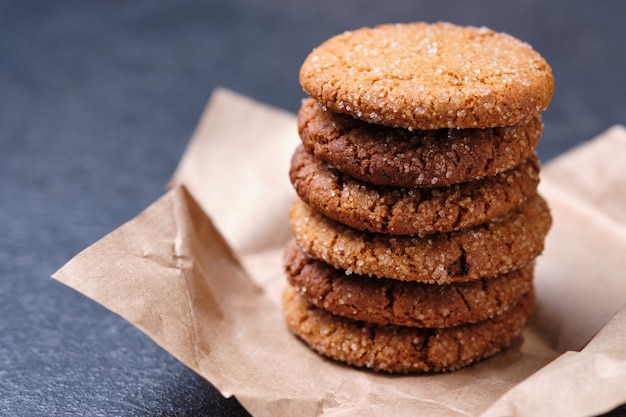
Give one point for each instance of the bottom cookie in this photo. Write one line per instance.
(403, 349)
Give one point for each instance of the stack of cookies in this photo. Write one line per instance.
(418, 219)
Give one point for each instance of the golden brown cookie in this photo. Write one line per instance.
(495, 247)
(399, 157)
(429, 76)
(387, 301)
(409, 211)
(403, 349)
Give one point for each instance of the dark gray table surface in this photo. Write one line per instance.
(97, 102)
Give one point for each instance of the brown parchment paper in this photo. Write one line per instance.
(199, 272)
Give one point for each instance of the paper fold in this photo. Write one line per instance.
(199, 271)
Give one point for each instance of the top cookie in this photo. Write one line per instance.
(429, 76)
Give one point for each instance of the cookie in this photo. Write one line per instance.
(414, 210)
(387, 301)
(495, 247)
(429, 76)
(403, 349)
(402, 158)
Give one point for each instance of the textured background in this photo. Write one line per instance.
(97, 102)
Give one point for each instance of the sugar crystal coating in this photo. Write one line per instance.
(403, 158)
(429, 76)
(403, 349)
(387, 301)
(414, 210)
(498, 246)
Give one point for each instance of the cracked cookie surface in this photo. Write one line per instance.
(399, 157)
(403, 349)
(387, 301)
(409, 211)
(429, 76)
(495, 247)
